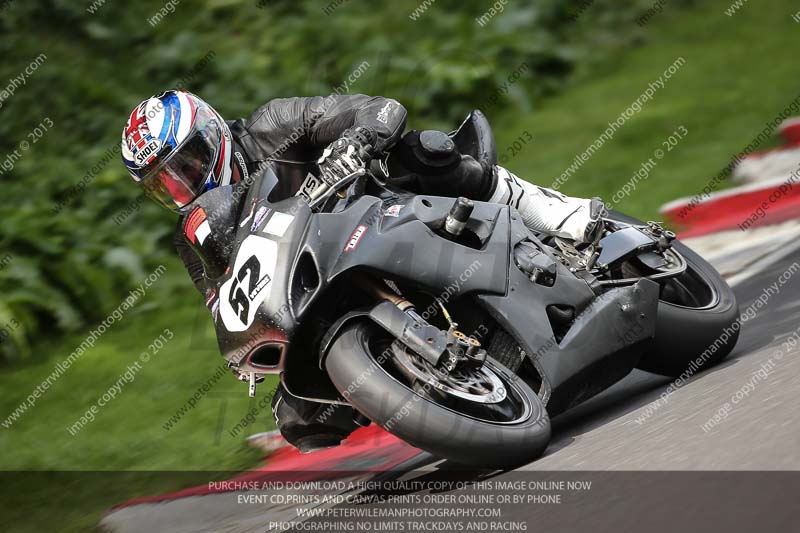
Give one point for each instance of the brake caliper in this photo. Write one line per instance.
(463, 351)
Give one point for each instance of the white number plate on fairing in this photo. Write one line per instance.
(250, 283)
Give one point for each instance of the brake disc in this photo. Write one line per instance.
(479, 385)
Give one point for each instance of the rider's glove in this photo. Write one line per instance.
(348, 154)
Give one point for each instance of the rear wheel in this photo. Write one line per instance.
(697, 312)
(485, 417)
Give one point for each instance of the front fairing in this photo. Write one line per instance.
(285, 256)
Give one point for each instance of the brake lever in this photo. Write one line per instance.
(325, 191)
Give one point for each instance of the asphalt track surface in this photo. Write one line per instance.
(627, 430)
(760, 432)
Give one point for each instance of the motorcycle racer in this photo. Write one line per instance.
(176, 147)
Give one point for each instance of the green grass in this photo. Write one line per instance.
(739, 73)
(127, 434)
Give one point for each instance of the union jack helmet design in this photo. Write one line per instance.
(176, 147)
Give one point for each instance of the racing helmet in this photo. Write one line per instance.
(176, 147)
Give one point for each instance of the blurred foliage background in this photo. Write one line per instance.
(72, 266)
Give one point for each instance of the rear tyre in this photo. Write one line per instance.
(487, 419)
(697, 325)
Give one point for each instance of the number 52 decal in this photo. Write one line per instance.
(250, 283)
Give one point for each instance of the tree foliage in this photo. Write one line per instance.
(71, 261)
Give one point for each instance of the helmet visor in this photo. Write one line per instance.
(178, 179)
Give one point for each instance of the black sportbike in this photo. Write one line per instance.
(445, 321)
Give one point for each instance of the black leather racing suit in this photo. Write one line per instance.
(299, 129)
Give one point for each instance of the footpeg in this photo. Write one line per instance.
(595, 228)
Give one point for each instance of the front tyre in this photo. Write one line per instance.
(485, 418)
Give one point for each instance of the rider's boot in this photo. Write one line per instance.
(312, 426)
(548, 211)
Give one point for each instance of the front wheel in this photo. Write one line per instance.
(486, 417)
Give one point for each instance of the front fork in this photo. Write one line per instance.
(459, 350)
